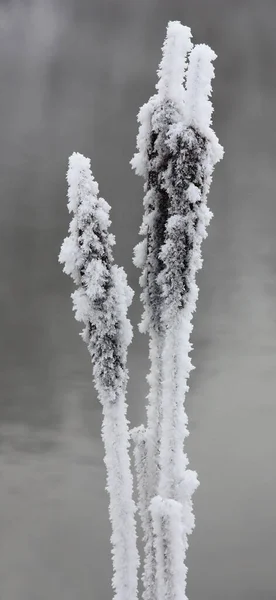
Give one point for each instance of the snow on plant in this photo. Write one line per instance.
(177, 151)
(164, 107)
(101, 301)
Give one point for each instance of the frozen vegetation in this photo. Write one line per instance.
(176, 153)
(100, 302)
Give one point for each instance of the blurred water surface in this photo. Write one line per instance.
(73, 75)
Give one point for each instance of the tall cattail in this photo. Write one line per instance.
(164, 108)
(177, 151)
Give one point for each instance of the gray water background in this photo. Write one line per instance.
(73, 75)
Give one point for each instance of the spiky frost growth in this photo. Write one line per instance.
(169, 542)
(177, 151)
(163, 109)
(101, 301)
(146, 452)
(194, 150)
(144, 487)
(139, 437)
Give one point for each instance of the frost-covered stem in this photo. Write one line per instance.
(146, 453)
(177, 152)
(119, 485)
(154, 379)
(194, 150)
(140, 439)
(174, 419)
(200, 73)
(171, 70)
(101, 301)
(167, 517)
(162, 109)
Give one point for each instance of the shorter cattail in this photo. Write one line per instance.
(101, 301)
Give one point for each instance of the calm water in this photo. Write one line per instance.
(73, 75)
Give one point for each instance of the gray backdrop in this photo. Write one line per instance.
(73, 75)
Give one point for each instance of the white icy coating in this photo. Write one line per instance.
(169, 87)
(101, 301)
(200, 73)
(167, 518)
(141, 450)
(177, 151)
(171, 70)
(147, 464)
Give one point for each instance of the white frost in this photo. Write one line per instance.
(101, 301)
(200, 73)
(171, 70)
(176, 154)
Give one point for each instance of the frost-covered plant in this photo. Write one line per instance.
(101, 301)
(177, 151)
